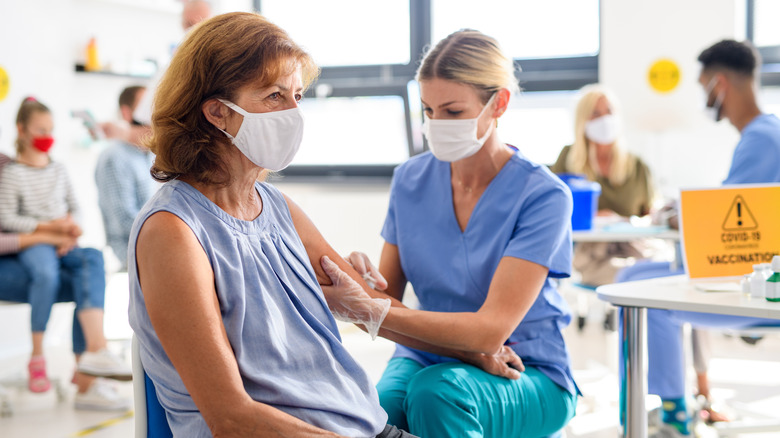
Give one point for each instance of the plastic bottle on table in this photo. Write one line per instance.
(773, 282)
(758, 282)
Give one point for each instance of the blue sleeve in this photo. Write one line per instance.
(754, 161)
(542, 233)
(389, 230)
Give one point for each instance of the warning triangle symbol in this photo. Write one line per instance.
(739, 217)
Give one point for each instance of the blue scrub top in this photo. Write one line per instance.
(757, 155)
(525, 213)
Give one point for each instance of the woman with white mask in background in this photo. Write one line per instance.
(626, 183)
(481, 233)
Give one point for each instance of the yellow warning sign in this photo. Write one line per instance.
(739, 217)
(664, 75)
(726, 230)
(5, 84)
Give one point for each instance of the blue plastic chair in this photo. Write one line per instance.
(150, 419)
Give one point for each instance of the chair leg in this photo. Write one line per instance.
(582, 310)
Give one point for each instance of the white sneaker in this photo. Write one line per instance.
(101, 396)
(104, 363)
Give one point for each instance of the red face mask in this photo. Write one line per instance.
(43, 144)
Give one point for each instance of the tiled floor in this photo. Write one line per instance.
(743, 376)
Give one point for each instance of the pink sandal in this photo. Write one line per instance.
(39, 382)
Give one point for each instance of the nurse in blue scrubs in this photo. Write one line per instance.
(482, 234)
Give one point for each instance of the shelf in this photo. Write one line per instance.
(80, 70)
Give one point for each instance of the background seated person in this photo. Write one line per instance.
(122, 177)
(81, 281)
(626, 184)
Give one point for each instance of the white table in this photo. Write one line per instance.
(623, 232)
(674, 293)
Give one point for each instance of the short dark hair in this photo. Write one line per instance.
(735, 56)
(127, 96)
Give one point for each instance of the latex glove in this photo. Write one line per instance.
(350, 303)
(504, 363)
(367, 270)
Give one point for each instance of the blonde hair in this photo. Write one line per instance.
(219, 56)
(582, 155)
(472, 58)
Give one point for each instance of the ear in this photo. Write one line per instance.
(127, 113)
(19, 130)
(215, 112)
(502, 102)
(723, 82)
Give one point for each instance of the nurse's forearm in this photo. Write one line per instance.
(463, 356)
(464, 331)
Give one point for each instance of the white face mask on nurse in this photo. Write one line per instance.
(451, 138)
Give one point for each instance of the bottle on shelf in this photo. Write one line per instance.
(93, 63)
(773, 282)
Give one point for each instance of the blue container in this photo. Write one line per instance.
(585, 195)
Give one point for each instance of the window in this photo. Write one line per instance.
(363, 116)
(518, 27)
(358, 32)
(763, 31)
(369, 130)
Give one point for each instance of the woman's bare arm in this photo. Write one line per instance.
(178, 287)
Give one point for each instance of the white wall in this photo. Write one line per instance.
(669, 130)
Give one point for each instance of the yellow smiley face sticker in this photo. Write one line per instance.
(664, 75)
(5, 84)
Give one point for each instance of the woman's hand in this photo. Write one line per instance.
(504, 363)
(360, 262)
(349, 302)
(64, 225)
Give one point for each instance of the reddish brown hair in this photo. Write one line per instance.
(220, 56)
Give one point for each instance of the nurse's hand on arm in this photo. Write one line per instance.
(362, 307)
(514, 288)
(501, 362)
(178, 287)
(362, 264)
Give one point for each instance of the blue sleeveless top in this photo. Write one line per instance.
(285, 339)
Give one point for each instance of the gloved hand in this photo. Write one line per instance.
(360, 262)
(350, 303)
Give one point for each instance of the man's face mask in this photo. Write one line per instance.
(713, 108)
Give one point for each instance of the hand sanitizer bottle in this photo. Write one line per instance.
(773, 282)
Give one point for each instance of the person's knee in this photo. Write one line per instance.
(89, 259)
(42, 265)
(438, 389)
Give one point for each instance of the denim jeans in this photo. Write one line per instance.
(39, 277)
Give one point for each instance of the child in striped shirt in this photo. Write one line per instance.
(36, 195)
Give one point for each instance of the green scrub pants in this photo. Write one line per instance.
(459, 400)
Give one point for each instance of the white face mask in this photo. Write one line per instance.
(602, 130)
(270, 140)
(713, 112)
(453, 140)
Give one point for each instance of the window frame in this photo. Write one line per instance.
(548, 74)
(770, 55)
